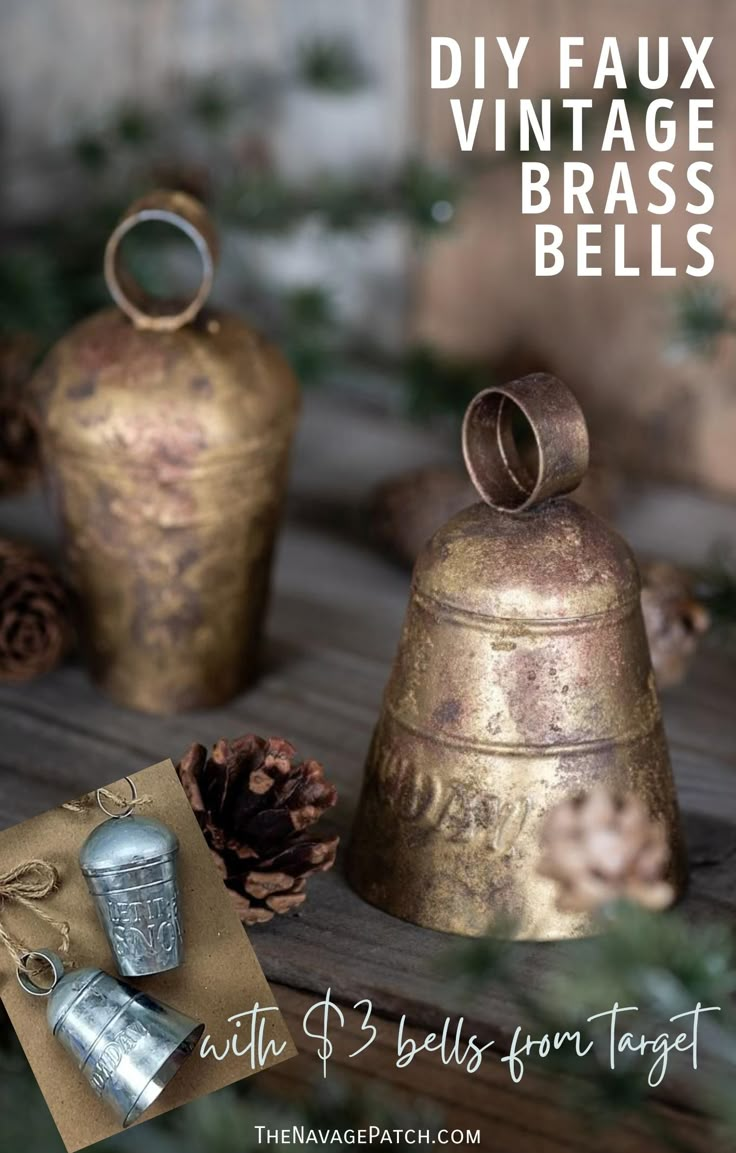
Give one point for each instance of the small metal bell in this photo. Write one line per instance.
(128, 1045)
(523, 676)
(129, 863)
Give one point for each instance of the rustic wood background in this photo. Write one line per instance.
(65, 64)
(659, 412)
(67, 67)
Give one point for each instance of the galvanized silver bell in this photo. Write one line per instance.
(129, 863)
(128, 1045)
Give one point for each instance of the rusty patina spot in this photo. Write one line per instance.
(201, 385)
(82, 389)
(448, 712)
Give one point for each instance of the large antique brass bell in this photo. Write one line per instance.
(165, 433)
(523, 676)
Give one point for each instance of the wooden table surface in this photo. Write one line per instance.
(332, 632)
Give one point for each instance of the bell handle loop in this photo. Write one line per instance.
(119, 814)
(191, 217)
(26, 982)
(502, 476)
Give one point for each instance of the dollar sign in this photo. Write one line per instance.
(327, 1047)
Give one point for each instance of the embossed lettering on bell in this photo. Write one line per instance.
(130, 868)
(523, 676)
(128, 1045)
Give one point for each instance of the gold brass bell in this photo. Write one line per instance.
(165, 432)
(523, 676)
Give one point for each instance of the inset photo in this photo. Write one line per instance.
(124, 966)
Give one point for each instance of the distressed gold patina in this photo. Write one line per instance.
(523, 676)
(165, 436)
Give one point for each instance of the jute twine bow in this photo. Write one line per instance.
(26, 885)
(90, 800)
(33, 881)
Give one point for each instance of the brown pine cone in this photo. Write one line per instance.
(675, 620)
(19, 452)
(35, 614)
(600, 848)
(253, 801)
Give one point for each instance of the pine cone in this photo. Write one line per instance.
(35, 615)
(601, 848)
(19, 451)
(674, 620)
(253, 801)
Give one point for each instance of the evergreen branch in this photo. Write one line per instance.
(703, 316)
(653, 961)
(330, 65)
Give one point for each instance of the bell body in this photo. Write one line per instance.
(167, 456)
(523, 675)
(128, 1045)
(129, 865)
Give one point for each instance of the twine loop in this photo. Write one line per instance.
(89, 800)
(26, 885)
(32, 881)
